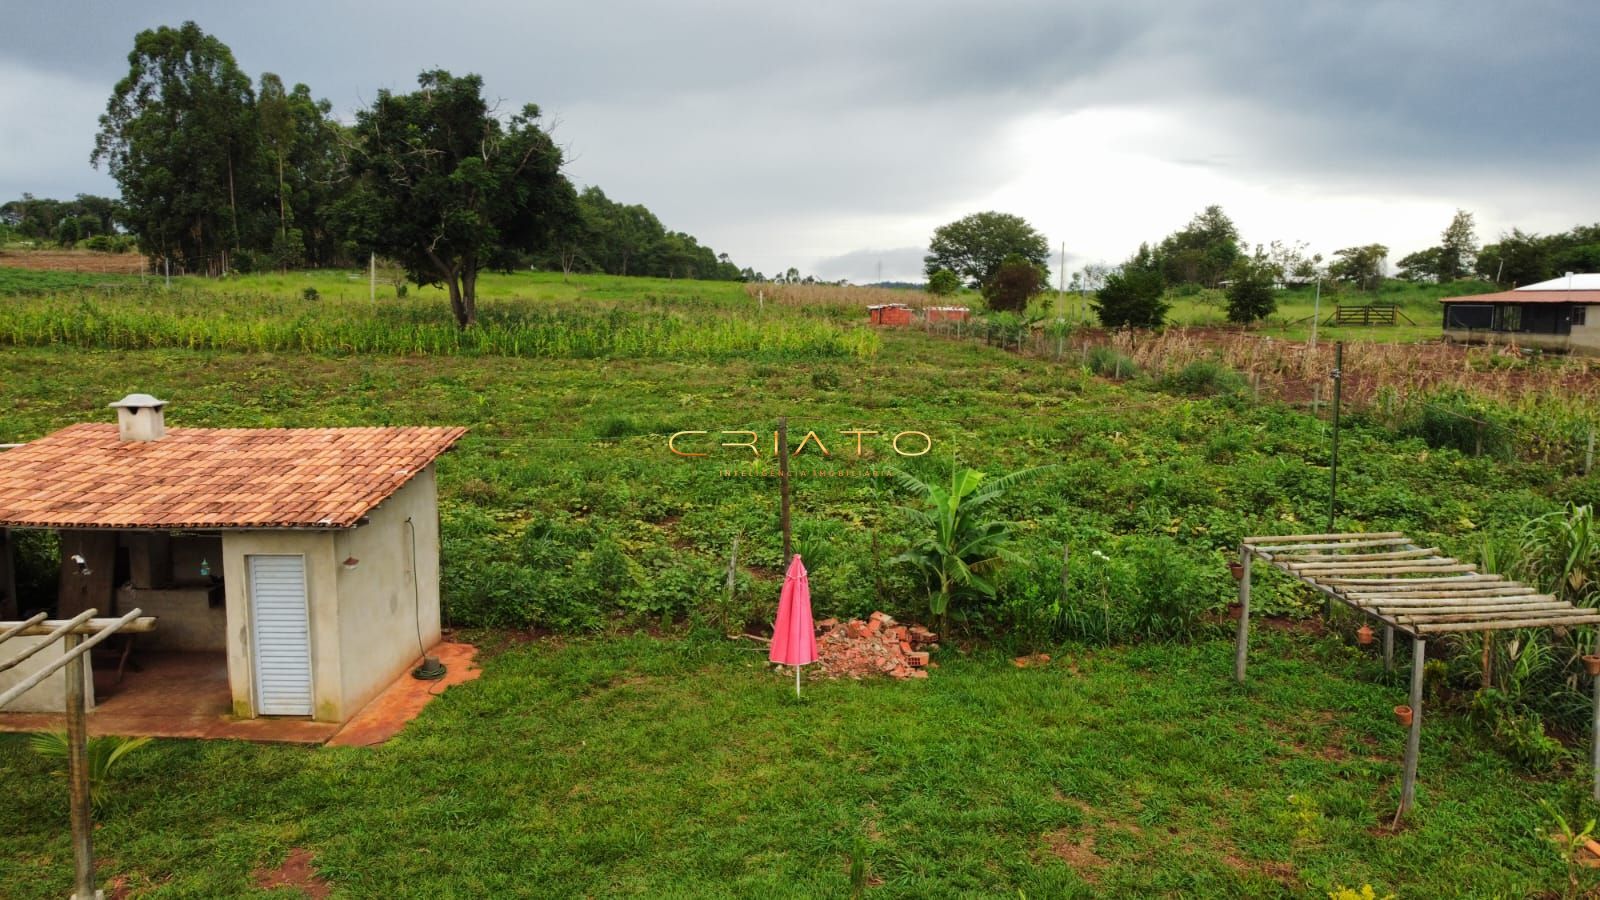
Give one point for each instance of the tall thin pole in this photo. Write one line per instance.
(783, 487)
(372, 279)
(1333, 469)
(78, 773)
(1061, 284)
(1316, 313)
(1241, 646)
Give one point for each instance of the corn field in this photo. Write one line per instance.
(1544, 407)
(149, 320)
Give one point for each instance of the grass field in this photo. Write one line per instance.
(671, 768)
(595, 762)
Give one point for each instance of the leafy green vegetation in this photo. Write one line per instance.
(601, 765)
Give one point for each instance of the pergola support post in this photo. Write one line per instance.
(1408, 784)
(1388, 648)
(1242, 645)
(1594, 739)
(78, 773)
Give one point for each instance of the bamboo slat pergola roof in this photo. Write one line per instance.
(1412, 589)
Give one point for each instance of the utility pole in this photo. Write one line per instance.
(1061, 284)
(1316, 312)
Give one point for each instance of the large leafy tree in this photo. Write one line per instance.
(180, 137)
(1132, 298)
(1361, 266)
(446, 187)
(1202, 252)
(1250, 289)
(976, 246)
(1458, 247)
(302, 143)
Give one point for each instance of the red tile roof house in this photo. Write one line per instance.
(1561, 314)
(299, 567)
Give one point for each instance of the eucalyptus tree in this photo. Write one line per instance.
(181, 139)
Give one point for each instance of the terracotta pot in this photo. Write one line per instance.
(1591, 664)
(1402, 714)
(1236, 569)
(1364, 634)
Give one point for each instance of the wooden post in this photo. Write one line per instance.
(10, 608)
(78, 772)
(1588, 453)
(1483, 676)
(1388, 648)
(1408, 784)
(783, 487)
(733, 566)
(1242, 645)
(1594, 741)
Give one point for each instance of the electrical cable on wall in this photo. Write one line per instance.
(431, 668)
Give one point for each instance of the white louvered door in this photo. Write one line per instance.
(281, 634)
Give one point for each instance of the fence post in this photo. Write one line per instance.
(1588, 453)
(733, 565)
(783, 486)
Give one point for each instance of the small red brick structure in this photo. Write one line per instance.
(948, 313)
(890, 314)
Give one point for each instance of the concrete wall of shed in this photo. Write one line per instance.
(322, 599)
(49, 695)
(392, 594)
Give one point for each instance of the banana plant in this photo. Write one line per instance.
(957, 549)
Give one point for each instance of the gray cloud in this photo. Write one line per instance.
(781, 133)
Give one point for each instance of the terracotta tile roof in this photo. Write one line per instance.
(85, 476)
(1523, 295)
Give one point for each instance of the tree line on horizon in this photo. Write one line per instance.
(1006, 259)
(221, 174)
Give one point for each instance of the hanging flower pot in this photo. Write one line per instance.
(1364, 634)
(1402, 714)
(1236, 569)
(1591, 664)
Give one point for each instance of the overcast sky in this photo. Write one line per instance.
(835, 136)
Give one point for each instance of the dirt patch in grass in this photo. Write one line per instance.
(1281, 872)
(74, 261)
(1075, 847)
(296, 872)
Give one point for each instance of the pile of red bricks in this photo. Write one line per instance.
(877, 646)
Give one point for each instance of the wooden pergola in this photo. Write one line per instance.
(78, 636)
(1413, 590)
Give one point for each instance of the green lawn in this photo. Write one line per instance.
(684, 768)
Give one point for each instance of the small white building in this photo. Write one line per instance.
(301, 565)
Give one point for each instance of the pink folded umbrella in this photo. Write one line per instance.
(794, 637)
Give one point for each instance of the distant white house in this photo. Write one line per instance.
(1559, 314)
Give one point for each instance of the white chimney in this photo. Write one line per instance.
(139, 418)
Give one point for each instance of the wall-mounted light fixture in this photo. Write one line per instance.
(350, 562)
(82, 564)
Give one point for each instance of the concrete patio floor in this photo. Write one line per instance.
(185, 695)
